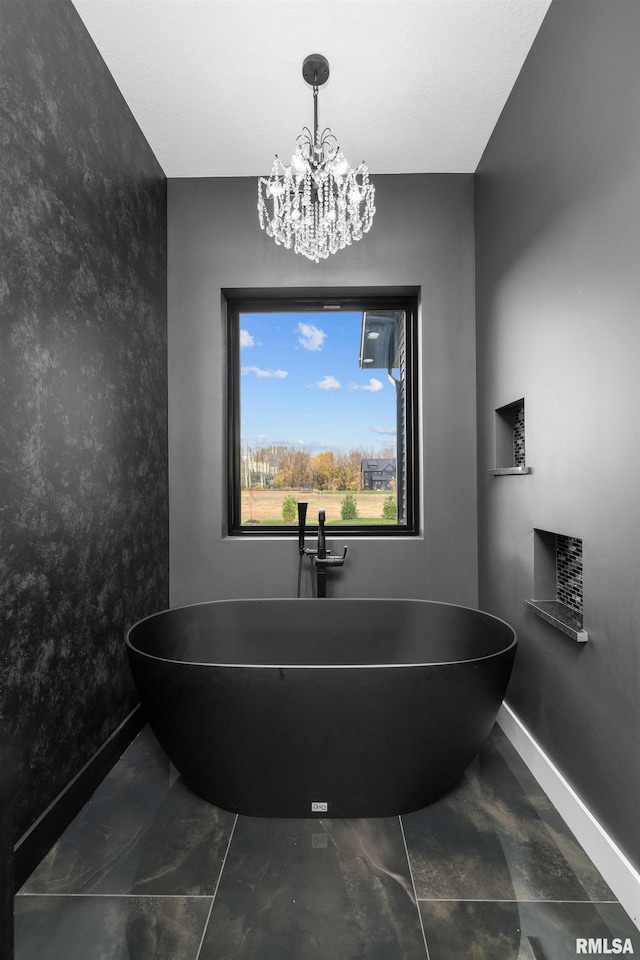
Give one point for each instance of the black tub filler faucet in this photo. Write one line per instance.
(319, 556)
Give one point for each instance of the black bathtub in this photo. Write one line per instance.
(338, 708)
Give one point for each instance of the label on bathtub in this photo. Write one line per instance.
(319, 806)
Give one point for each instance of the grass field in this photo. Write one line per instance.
(265, 506)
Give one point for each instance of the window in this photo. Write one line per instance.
(322, 409)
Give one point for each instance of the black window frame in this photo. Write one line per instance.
(238, 301)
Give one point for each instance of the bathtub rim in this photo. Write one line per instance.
(319, 666)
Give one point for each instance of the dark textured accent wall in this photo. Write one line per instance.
(558, 301)
(83, 428)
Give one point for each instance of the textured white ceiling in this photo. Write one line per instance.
(416, 86)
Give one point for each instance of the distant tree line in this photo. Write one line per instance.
(281, 467)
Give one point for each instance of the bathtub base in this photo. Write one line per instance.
(400, 746)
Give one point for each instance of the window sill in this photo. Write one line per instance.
(560, 616)
(509, 471)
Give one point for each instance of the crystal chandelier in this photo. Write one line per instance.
(319, 204)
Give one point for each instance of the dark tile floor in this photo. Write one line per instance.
(148, 871)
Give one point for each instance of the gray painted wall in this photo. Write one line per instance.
(422, 235)
(83, 387)
(558, 317)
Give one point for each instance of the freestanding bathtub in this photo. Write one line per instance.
(334, 708)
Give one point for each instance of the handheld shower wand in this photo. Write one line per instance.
(302, 518)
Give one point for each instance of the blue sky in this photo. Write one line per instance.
(301, 384)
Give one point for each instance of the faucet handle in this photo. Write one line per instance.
(332, 561)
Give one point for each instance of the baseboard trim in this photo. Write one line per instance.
(614, 866)
(41, 835)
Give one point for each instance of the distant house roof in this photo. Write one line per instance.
(379, 465)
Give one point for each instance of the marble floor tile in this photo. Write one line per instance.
(315, 889)
(486, 840)
(142, 832)
(486, 930)
(109, 928)
(149, 870)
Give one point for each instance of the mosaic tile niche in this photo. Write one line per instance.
(510, 439)
(559, 582)
(569, 571)
(518, 434)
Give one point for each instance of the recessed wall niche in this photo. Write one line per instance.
(510, 440)
(558, 581)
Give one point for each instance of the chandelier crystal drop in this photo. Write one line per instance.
(318, 204)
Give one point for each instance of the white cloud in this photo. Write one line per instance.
(328, 383)
(390, 431)
(260, 373)
(372, 387)
(246, 339)
(311, 337)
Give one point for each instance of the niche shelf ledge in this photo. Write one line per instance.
(509, 471)
(560, 616)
